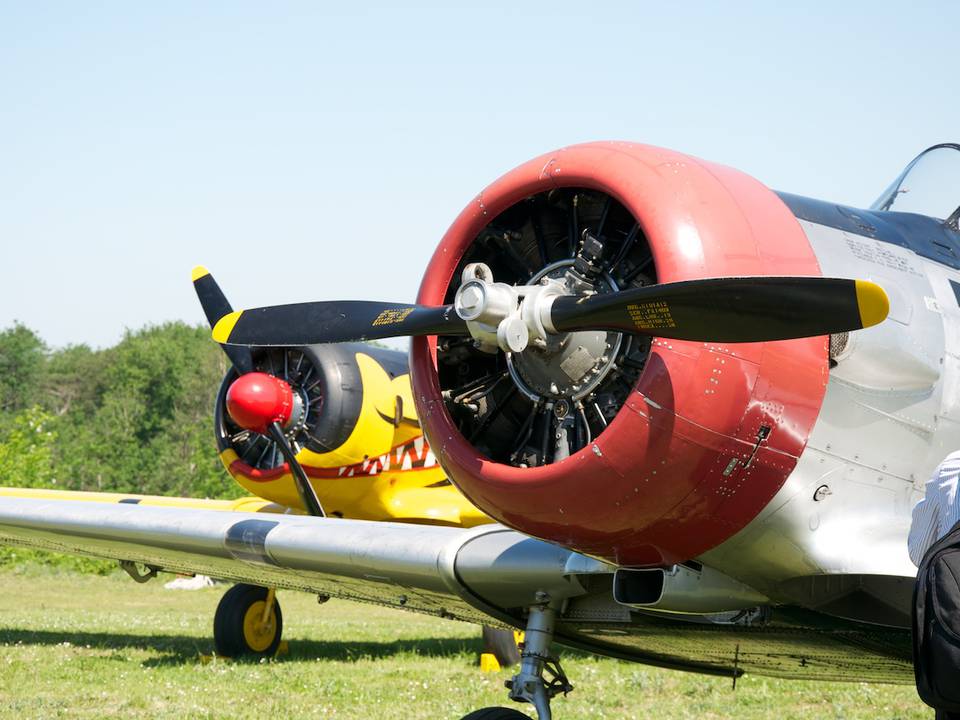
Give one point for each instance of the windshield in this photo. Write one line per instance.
(929, 186)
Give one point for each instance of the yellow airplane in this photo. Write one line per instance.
(326, 430)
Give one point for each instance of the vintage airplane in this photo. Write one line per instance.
(349, 445)
(353, 425)
(639, 363)
(349, 416)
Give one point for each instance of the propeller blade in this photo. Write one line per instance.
(334, 322)
(304, 489)
(215, 305)
(747, 309)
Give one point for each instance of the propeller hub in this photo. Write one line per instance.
(256, 399)
(505, 317)
(569, 365)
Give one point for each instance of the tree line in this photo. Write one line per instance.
(133, 418)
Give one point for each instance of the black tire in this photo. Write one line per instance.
(496, 713)
(502, 644)
(232, 634)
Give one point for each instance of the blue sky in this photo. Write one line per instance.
(305, 151)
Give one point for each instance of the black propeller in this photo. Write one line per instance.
(729, 310)
(215, 305)
(744, 309)
(333, 322)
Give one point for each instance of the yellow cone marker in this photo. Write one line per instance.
(488, 663)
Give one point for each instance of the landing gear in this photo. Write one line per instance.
(540, 677)
(248, 622)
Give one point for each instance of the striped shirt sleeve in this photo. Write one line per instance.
(938, 512)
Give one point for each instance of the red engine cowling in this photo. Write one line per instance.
(703, 435)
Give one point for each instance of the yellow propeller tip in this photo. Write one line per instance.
(872, 302)
(198, 272)
(224, 326)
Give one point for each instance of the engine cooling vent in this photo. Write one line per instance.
(838, 344)
(541, 406)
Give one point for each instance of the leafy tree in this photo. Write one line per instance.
(73, 380)
(137, 417)
(26, 450)
(134, 418)
(151, 428)
(22, 355)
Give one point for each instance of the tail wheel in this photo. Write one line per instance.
(239, 626)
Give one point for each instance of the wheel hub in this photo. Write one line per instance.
(259, 634)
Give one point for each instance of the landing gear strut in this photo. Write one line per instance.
(540, 677)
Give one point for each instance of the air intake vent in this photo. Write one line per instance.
(838, 344)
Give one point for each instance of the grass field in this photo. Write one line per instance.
(76, 646)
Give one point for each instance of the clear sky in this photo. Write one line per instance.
(319, 150)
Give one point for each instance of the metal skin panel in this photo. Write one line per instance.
(928, 237)
(662, 483)
(879, 436)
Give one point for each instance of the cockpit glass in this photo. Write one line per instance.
(929, 186)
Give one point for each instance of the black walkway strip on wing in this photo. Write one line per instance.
(246, 540)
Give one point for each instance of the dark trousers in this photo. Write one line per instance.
(944, 715)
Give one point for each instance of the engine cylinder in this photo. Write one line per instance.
(695, 438)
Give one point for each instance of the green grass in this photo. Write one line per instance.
(77, 646)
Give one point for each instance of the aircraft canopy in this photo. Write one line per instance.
(930, 185)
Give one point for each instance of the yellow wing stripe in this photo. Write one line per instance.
(225, 325)
(247, 504)
(872, 302)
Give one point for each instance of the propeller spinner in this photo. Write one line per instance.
(255, 400)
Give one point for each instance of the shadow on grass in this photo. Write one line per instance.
(185, 649)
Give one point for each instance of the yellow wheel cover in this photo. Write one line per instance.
(257, 634)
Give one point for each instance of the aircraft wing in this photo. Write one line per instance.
(488, 575)
(384, 563)
(244, 504)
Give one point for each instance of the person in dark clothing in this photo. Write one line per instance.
(933, 518)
